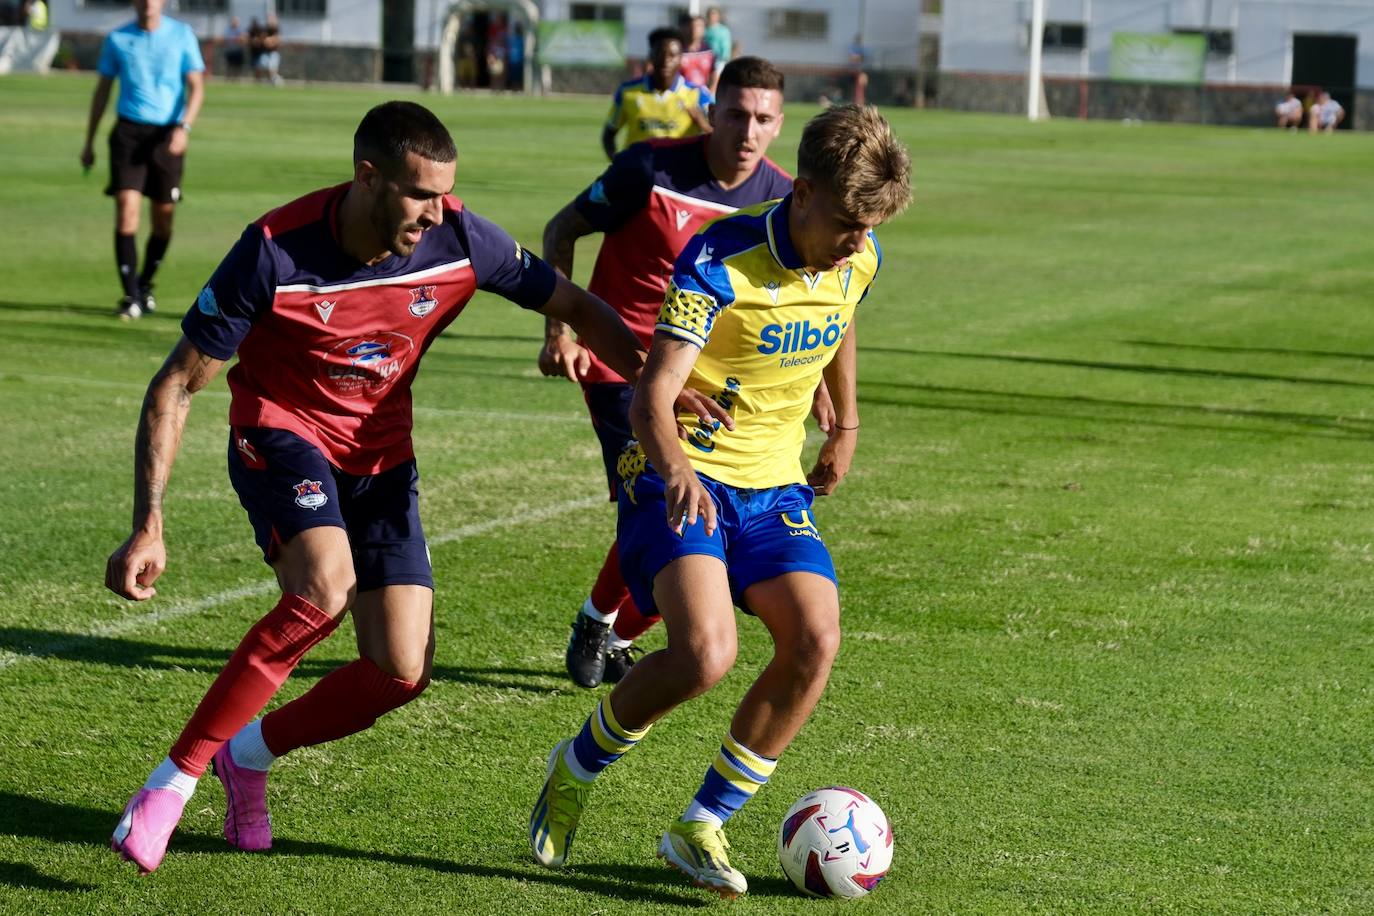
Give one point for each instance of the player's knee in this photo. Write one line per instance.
(700, 665)
(412, 668)
(332, 594)
(812, 651)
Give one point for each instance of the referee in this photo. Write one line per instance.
(158, 64)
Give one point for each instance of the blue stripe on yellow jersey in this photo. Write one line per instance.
(766, 327)
(645, 112)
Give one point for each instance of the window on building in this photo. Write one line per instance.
(810, 25)
(1220, 42)
(596, 12)
(203, 6)
(1064, 36)
(305, 9)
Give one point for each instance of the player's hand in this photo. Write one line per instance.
(87, 157)
(135, 566)
(823, 409)
(564, 356)
(688, 501)
(832, 464)
(176, 143)
(705, 409)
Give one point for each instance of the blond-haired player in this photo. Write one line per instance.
(761, 305)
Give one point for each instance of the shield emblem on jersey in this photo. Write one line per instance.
(310, 494)
(422, 301)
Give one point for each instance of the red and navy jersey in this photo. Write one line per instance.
(328, 347)
(653, 198)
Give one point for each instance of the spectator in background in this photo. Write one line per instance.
(1326, 115)
(38, 16)
(698, 63)
(661, 103)
(233, 48)
(515, 58)
(1289, 111)
(467, 57)
(858, 59)
(496, 52)
(721, 43)
(267, 56)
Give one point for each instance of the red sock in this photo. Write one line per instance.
(610, 590)
(263, 660)
(345, 701)
(630, 623)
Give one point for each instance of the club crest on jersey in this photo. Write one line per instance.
(325, 308)
(310, 494)
(422, 301)
(206, 303)
(772, 287)
(844, 280)
(682, 217)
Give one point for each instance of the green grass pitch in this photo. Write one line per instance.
(1107, 551)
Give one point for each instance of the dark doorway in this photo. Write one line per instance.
(398, 41)
(1327, 62)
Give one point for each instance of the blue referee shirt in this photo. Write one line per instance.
(151, 68)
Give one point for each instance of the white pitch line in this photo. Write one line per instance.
(191, 608)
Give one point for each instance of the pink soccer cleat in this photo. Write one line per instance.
(142, 833)
(246, 824)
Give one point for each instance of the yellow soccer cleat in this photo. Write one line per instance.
(554, 819)
(697, 849)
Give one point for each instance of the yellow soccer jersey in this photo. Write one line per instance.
(766, 327)
(645, 112)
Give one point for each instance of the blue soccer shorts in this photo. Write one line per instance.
(760, 535)
(287, 486)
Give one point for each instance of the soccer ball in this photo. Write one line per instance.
(835, 842)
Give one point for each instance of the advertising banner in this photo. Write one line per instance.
(1143, 58)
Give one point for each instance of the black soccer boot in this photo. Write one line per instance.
(586, 655)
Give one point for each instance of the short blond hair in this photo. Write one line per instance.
(852, 151)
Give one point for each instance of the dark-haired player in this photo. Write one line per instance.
(662, 103)
(649, 203)
(329, 303)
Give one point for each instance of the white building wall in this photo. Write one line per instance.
(889, 27)
(990, 36)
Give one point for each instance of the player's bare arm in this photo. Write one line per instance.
(195, 95)
(99, 100)
(832, 464)
(653, 416)
(561, 354)
(597, 324)
(823, 408)
(608, 141)
(139, 561)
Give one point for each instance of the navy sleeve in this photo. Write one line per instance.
(241, 289)
(503, 267)
(621, 191)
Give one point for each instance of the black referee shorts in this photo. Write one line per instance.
(140, 161)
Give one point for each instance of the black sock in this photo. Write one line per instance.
(152, 257)
(126, 258)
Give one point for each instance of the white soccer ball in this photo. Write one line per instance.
(835, 842)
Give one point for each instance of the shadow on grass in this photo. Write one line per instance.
(1143, 368)
(1145, 412)
(134, 653)
(57, 822)
(26, 877)
(1268, 351)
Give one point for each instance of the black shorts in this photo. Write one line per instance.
(609, 405)
(287, 486)
(140, 161)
